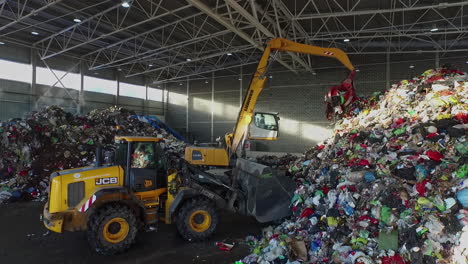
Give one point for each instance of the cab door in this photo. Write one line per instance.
(264, 126)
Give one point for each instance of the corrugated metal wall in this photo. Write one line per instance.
(16, 98)
(298, 98)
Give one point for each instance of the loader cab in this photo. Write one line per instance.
(143, 161)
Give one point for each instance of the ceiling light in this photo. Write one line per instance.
(206, 81)
(180, 83)
(314, 73)
(271, 76)
(466, 62)
(434, 29)
(34, 33)
(119, 69)
(411, 66)
(77, 20)
(240, 79)
(2, 43)
(229, 54)
(188, 59)
(125, 4)
(150, 65)
(358, 70)
(346, 40)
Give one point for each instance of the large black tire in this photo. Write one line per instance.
(197, 219)
(112, 229)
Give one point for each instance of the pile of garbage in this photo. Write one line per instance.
(390, 186)
(31, 148)
(281, 162)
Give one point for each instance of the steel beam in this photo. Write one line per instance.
(263, 29)
(207, 10)
(205, 72)
(32, 13)
(106, 35)
(380, 11)
(222, 53)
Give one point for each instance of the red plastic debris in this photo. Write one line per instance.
(462, 117)
(421, 187)
(306, 213)
(396, 259)
(369, 219)
(364, 162)
(434, 155)
(224, 246)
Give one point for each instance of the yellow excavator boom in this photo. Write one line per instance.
(258, 82)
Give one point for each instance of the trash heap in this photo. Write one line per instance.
(281, 163)
(390, 186)
(52, 139)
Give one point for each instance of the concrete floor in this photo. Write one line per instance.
(22, 241)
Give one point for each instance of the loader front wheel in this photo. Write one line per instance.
(197, 219)
(112, 229)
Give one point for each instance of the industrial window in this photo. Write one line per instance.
(15, 71)
(155, 94)
(131, 90)
(46, 77)
(98, 85)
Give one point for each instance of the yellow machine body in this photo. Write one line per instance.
(213, 156)
(74, 192)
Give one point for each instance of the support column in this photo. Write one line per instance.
(212, 107)
(437, 60)
(187, 110)
(163, 100)
(240, 87)
(118, 90)
(33, 95)
(387, 72)
(145, 105)
(81, 93)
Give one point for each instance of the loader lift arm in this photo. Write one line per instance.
(233, 140)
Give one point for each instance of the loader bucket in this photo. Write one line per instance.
(268, 192)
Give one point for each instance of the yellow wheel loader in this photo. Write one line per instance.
(113, 202)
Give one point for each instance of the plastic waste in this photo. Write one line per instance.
(388, 186)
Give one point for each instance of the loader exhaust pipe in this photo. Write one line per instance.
(99, 156)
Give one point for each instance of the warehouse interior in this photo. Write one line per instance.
(190, 63)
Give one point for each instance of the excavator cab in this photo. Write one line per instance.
(264, 126)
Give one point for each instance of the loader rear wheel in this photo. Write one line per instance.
(197, 219)
(112, 229)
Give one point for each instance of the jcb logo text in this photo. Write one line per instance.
(107, 181)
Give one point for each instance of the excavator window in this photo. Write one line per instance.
(266, 121)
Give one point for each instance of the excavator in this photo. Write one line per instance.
(264, 125)
(143, 184)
